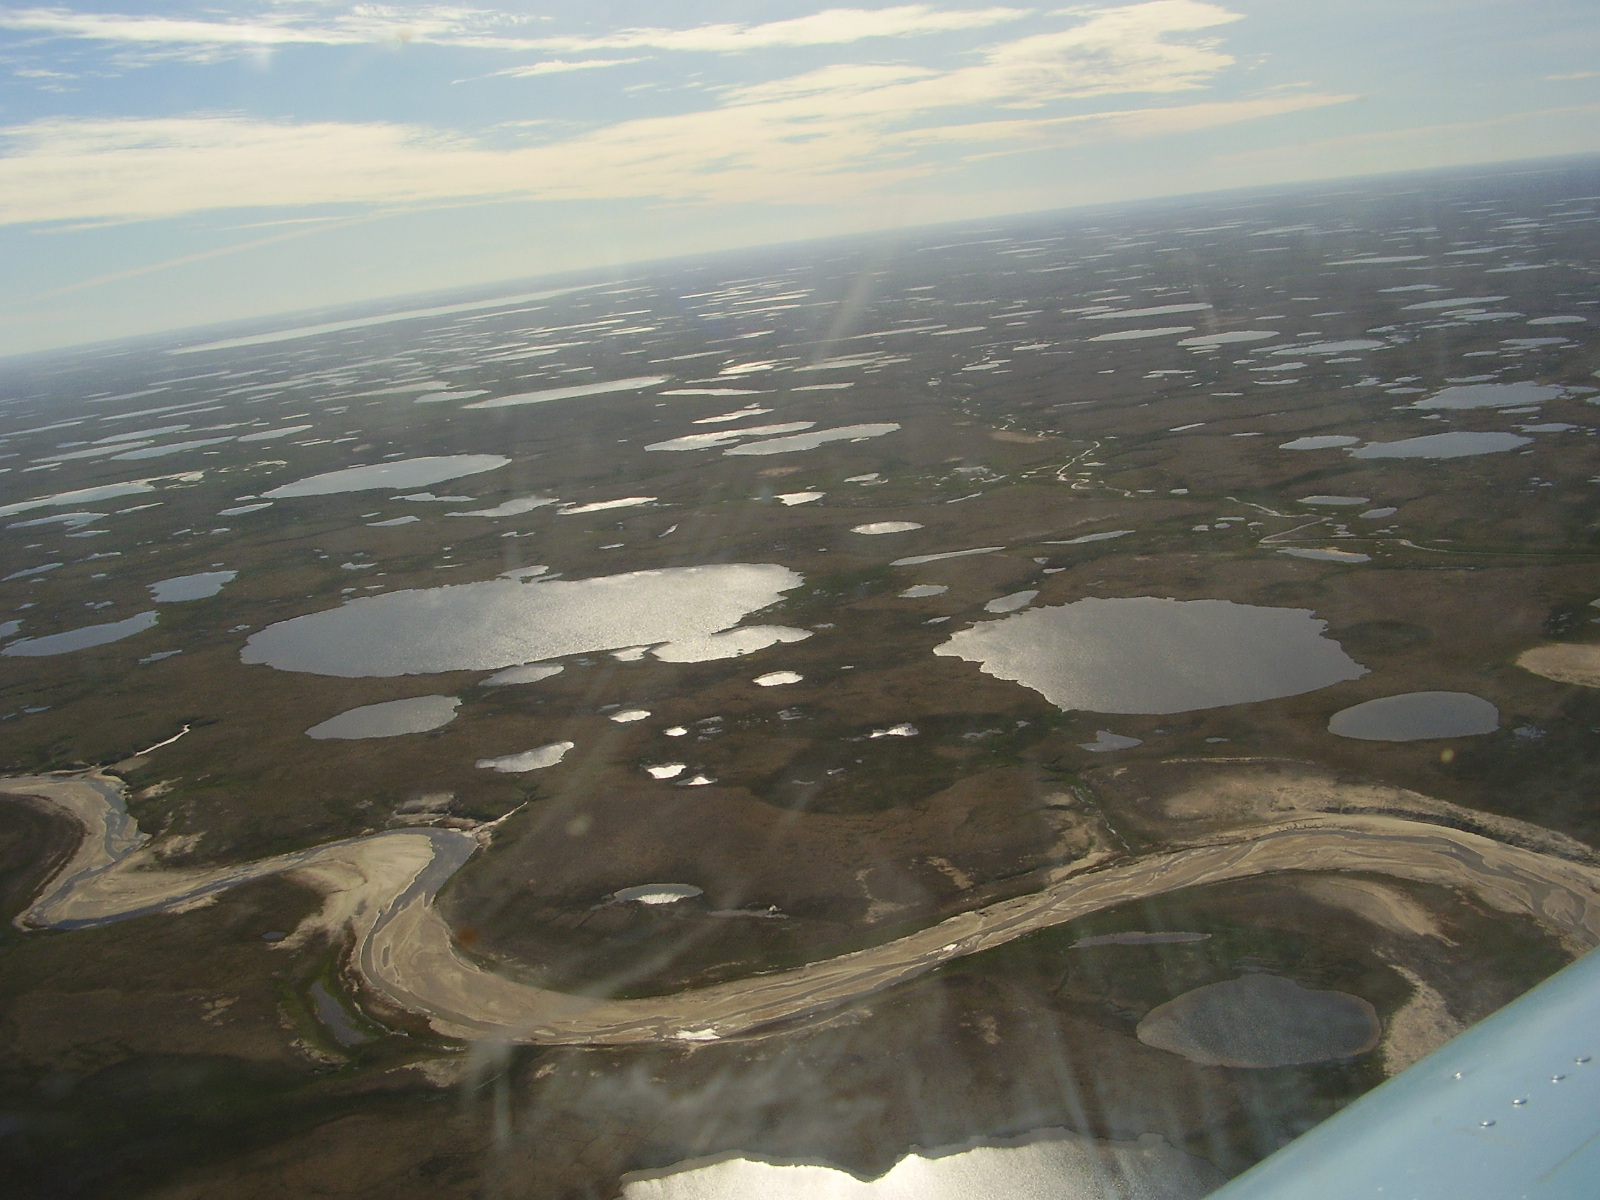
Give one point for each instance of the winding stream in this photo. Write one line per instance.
(380, 890)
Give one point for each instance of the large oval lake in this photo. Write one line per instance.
(506, 622)
(1142, 654)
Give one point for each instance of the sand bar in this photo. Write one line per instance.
(381, 888)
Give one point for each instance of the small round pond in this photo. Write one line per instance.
(1262, 1021)
(417, 714)
(1417, 716)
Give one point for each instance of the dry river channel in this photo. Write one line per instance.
(379, 894)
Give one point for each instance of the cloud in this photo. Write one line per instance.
(1113, 51)
(137, 40)
(558, 66)
(489, 30)
(112, 27)
(839, 133)
(832, 27)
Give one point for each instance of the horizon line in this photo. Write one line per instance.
(358, 312)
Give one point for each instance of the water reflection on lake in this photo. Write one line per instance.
(658, 893)
(530, 673)
(510, 508)
(723, 437)
(1442, 445)
(403, 473)
(777, 678)
(916, 560)
(1105, 740)
(1051, 1163)
(1327, 441)
(1344, 556)
(1092, 537)
(1416, 716)
(536, 759)
(505, 622)
(877, 527)
(810, 441)
(544, 396)
(416, 714)
(576, 510)
(1142, 654)
(191, 587)
(1012, 602)
(80, 639)
(89, 495)
(1490, 395)
(1261, 1021)
(735, 643)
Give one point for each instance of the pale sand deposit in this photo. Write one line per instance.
(381, 888)
(1565, 662)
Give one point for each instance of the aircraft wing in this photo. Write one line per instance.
(1509, 1110)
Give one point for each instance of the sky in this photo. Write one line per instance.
(166, 165)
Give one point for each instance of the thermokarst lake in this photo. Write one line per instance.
(503, 623)
(1147, 655)
(588, 737)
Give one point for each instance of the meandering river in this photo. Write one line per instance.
(380, 889)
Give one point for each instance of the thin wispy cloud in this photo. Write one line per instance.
(488, 29)
(832, 27)
(558, 66)
(264, 31)
(1111, 52)
(825, 136)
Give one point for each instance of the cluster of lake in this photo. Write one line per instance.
(1130, 655)
(1455, 444)
(497, 381)
(179, 589)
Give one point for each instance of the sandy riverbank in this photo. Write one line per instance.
(380, 890)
